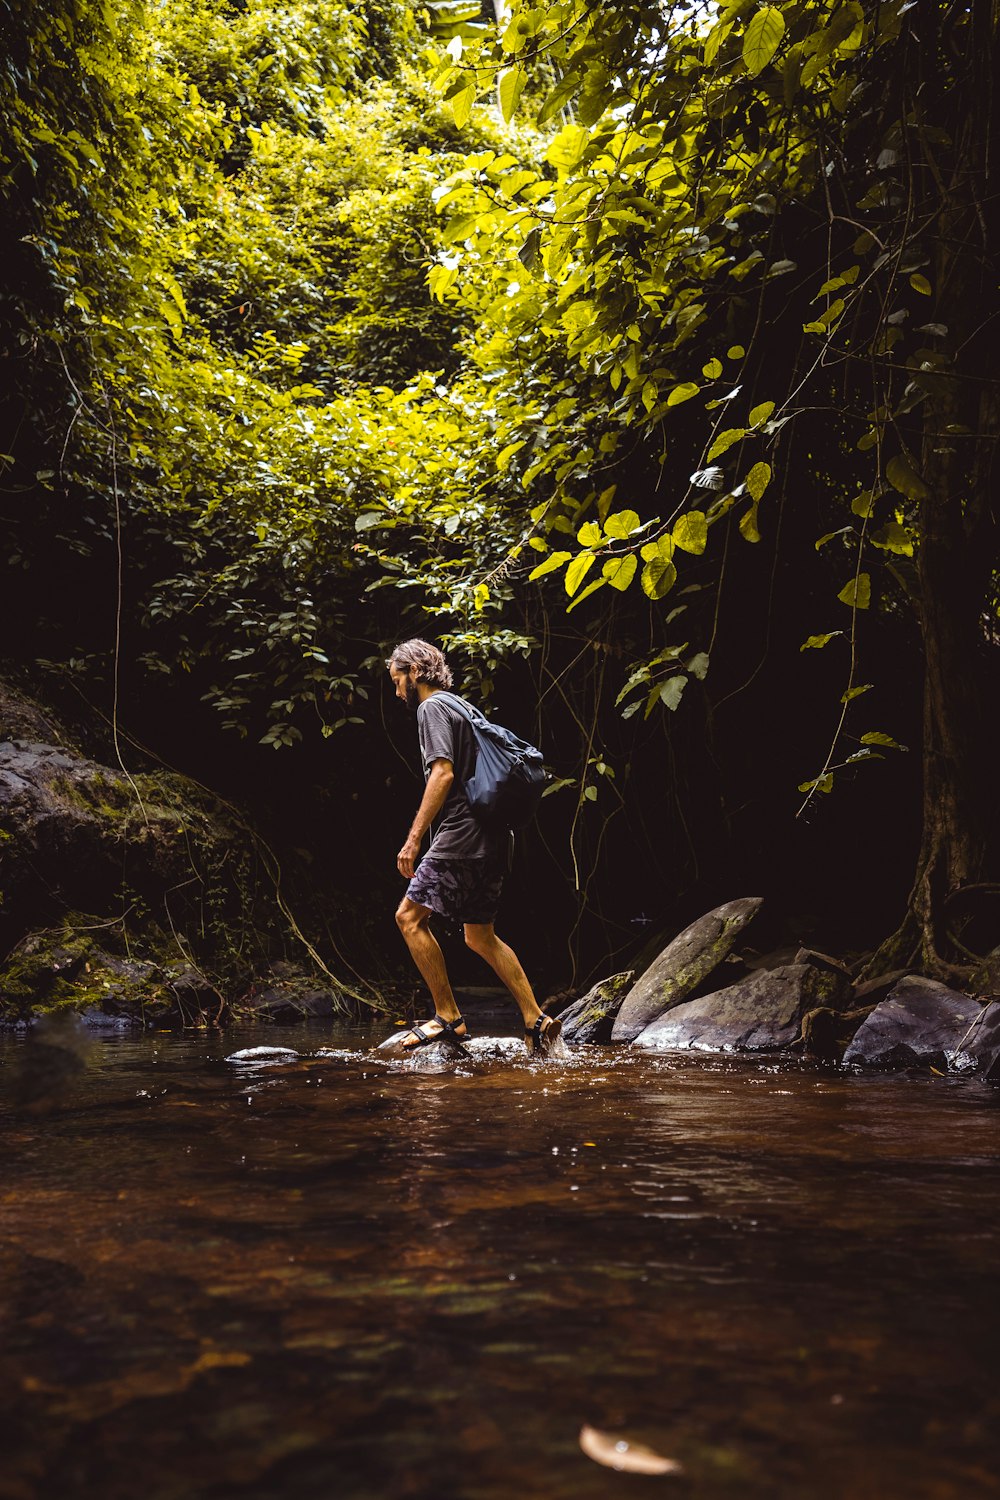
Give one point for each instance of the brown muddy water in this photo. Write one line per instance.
(344, 1278)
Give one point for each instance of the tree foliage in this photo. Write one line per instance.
(607, 320)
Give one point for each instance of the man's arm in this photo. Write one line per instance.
(439, 782)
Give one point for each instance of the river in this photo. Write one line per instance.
(342, 1278)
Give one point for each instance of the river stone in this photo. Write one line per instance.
(759, 1014)
(442, 1047)
(682, 965)
(979, 1050)
(920, 1024)
(591, 1018)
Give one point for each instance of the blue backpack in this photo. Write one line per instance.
(506, 786)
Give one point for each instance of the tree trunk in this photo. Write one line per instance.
(957, 557)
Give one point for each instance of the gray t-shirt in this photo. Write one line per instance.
(446, 734)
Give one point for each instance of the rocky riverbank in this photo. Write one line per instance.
(700, 994)
(133, 896)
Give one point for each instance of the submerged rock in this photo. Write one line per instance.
(761, 1013)
(259, 1056)
(920, 1024)
(682, 966)
(591, 1018)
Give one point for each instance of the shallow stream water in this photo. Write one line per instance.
(340, 1277)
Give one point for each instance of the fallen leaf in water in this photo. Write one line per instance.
(619, 1453)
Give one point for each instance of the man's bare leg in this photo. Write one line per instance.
(504, 962)
(413, 921)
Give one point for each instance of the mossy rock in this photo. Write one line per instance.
(591, 1018)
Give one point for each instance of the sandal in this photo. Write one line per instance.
(545, 1031)
(447, 1033)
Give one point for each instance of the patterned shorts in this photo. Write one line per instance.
(465, 890)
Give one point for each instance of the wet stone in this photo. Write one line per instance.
(682, 966)
(979, 1050)
(762, 1013)
(592, 1017)
(921, 1023)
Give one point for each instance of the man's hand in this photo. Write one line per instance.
(407, 857)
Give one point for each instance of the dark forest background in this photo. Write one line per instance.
(644, 357)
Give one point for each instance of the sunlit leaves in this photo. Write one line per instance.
(622, 524)
(554, 561)
(682, 393)
(509, 87)
(725, 441)
(462, 102)
(877, 737)
(619, 571)
(658, 577)
(762, 39)
(690, 532)
(758, 480)
(816, 642)
(858, 592)
(577, 571)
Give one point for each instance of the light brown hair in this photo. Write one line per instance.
(428, 660)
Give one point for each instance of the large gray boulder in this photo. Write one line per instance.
(682, 966)
(921, 1023)
(979, 1050)
(760, 1014)
(591, 1018)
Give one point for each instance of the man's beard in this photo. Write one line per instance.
(412, 697)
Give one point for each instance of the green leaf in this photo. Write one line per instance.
(577, 571)
(715, 39)
(509, 88)
(875, 737)
(762, 39)
(748, 524)
(530, 252)
(814, 642)
(690, 532)
(552, 562)
(921, 284)
(725, 441)
(619, 571)
(697, 665)
(671, 691)
(590, 534)
(892, 537)
(461, 105)
(682, 393)
(858, 593)
(855, 692)
(712, 370)
(368, 519)
(592, 587)
(761, 413)
(821, 784)
(662, 548)
(658, 577)
(864, 504)
(904, 478)
(622, 524)
(758, 479)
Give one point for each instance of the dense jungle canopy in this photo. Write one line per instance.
(643, 355)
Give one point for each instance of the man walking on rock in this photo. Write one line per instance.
(461, 875)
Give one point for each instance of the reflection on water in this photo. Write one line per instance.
(341, 1277)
